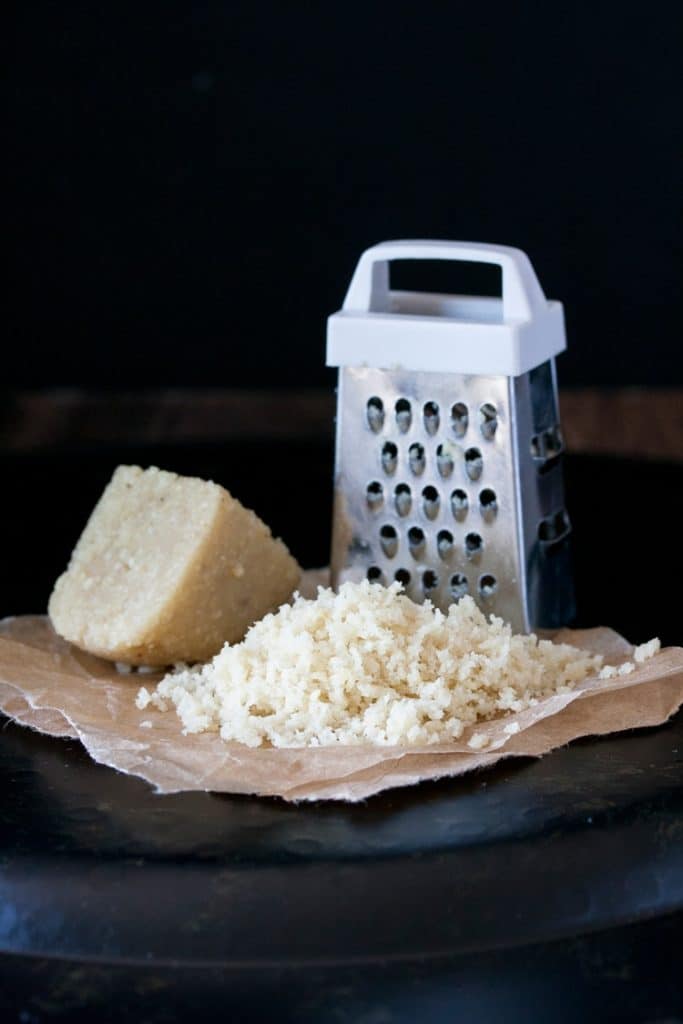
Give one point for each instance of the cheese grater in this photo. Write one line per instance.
(448, 474)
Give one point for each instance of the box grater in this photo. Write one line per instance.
(448, 471)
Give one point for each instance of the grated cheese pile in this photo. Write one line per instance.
(367, 665)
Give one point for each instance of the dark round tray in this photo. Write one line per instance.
(530, 855)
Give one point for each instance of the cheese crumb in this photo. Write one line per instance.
(478, 740)
(648, 650)
(640, 654)
(367, 665)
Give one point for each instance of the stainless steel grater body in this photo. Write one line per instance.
(448, 472)
(471, 501)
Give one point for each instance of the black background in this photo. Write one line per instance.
(192, 183)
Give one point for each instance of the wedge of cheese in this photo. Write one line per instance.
(168, 569)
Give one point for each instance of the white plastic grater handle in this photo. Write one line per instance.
(522, 293)
(428, 332)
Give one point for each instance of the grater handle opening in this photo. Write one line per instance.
(369, 288)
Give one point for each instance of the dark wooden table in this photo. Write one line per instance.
(630, 423)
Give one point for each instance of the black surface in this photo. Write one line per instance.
(97, 866)
(191, 182)
(628, 975)
(534, 885)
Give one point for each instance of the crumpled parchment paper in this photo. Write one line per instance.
(52, 687)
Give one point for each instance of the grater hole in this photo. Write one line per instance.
(553, 442)
(374, 411)
(488, 504)
(430, 416)
(444, 543)
(403, 499)
(416, 540)
(404, 415)
(444, 460)
(389, 457)
(359, 548)
(458, 586)
(374, 494)
(547, 445)
(430, 502)
(402, 576)
(459, 504)
(459, 418)
(430, 581)
(554, 527)
(374, 574)
(388, 538)
(474, 464)
(416, 458)
(488, 585)
(488, 420)
(474, 545)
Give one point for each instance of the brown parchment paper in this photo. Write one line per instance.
(56, 689)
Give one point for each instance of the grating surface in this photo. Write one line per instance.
(425, 487)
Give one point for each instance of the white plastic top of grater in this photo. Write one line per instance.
(445, 333)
